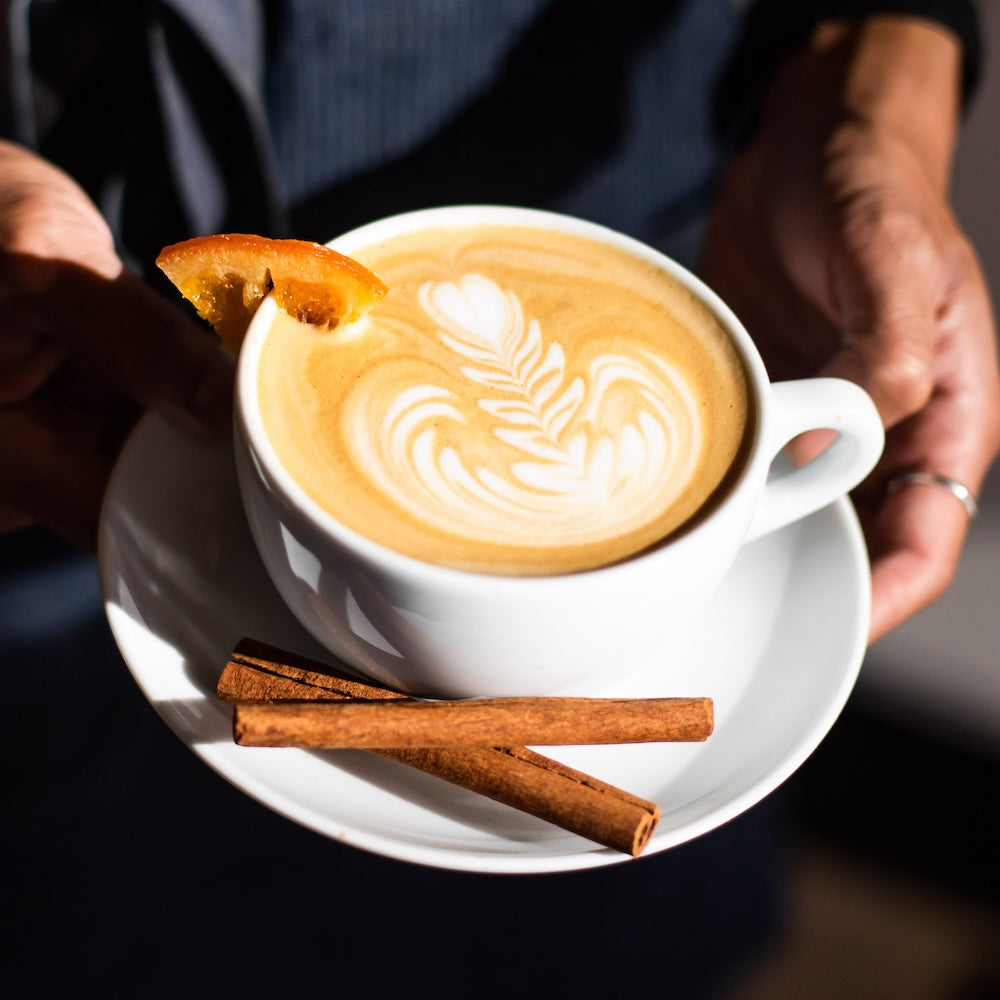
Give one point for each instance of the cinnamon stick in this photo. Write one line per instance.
(514, 776)
(484, 722)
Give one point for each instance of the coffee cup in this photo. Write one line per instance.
(530, 466)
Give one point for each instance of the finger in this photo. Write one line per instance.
(27, 361)
(915, 537)
(141, 343)
(887, 322)
(898, 379)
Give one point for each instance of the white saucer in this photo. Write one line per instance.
(779, 651)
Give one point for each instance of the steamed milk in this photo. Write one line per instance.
(521, 402)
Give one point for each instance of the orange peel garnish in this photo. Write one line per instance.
(226, 277)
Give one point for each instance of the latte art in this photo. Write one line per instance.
(581, 455)
(520, 402)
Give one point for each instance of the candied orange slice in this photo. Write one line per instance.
(226, 277)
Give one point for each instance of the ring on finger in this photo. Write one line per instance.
(917, 478)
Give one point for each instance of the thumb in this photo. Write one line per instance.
(138, 341)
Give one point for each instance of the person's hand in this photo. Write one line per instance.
(84, 346)
(833, 241)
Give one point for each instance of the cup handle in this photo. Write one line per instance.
(811, 404)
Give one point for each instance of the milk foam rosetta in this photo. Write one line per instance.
(521, 402)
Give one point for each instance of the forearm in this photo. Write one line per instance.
(858, 125)
(901, 40)
(900, 76)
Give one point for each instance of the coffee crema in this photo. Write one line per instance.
(523, 401)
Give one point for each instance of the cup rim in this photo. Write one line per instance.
(250, 427)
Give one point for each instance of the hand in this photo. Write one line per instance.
(833, 241)
(84, 346)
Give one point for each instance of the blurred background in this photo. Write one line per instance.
(895, 891)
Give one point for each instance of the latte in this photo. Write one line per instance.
(523, 402)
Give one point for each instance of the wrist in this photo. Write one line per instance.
(899, 77)
(773, 31)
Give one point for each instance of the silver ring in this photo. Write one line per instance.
(957, 489)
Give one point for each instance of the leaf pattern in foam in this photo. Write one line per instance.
(485, 324)
(570, 459)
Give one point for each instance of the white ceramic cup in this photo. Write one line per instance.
(444, 632)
